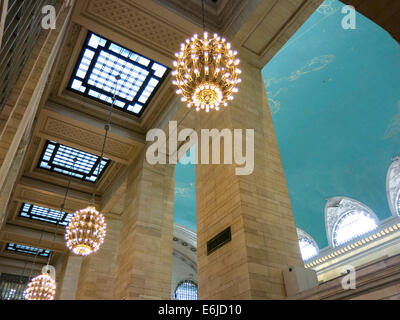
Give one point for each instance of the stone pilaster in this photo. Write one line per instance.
(256, 206)
(144, 264)
(71, 272)
(97, 275)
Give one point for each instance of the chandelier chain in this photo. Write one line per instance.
(204, 15)
(62, 208)
(107, 128)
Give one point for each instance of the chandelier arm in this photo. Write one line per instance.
(62, 208)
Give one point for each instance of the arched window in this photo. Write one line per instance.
(308, 249)
(398, 203)
(352, 225)
(393, 187)
(186, 290)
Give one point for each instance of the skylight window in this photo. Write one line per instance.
(27, 250)
(307, 249)
(33, 212)
(101, 60)
(60, 158)
(352, 225)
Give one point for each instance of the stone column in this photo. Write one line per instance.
(97, 274)
(145, 251)
(256, 206)
(68, 288)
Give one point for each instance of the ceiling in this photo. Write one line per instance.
(335, 99)
(385, 13)
(154, 29)
(185, 193)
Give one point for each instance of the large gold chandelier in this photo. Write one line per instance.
(42, 287)
(86, 231)
(206, 72)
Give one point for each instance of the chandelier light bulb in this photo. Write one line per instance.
(206, 72)
(42, 287)
(86, 231)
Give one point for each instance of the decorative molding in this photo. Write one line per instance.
(146, 28)
(182, 257)
(336, 207)
(393, 186)
(302, 234)
(187, 235)
(59, 129)
(330, 258)
(65, 57)
(52, 201)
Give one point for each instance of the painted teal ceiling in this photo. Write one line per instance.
(335, 99)
(185, 194)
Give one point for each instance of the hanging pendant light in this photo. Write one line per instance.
(42, 287)
(86, 231)
(206, 71)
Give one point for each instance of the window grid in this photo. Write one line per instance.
(59, 158)
(34, 212)
(352, 225)
(27, 250)
(186, 290)
(307, 249)
(12, 287)
(101, 60)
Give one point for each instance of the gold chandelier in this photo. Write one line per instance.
(206, 72)
(86, 231)
(42, 287)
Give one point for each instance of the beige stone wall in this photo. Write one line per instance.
(69, 273)
(97, 275)
(145, 249)
(257, 207)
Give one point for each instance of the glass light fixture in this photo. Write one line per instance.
(42, 287)
(206, 71)
(86, 231)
